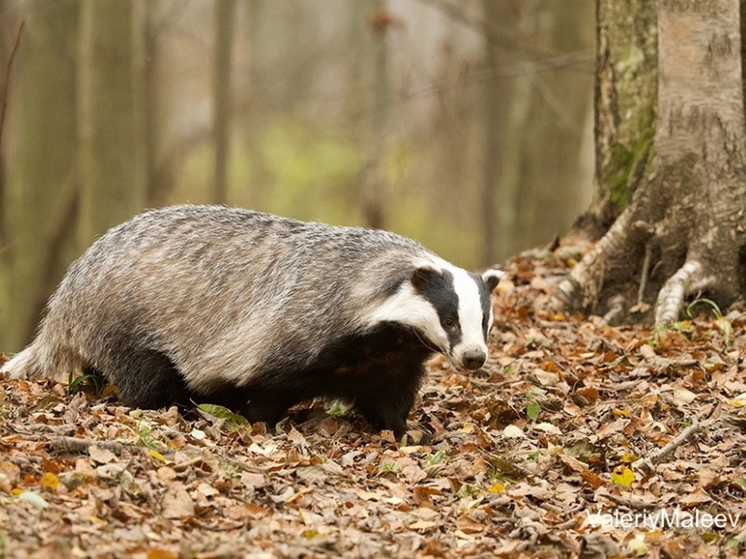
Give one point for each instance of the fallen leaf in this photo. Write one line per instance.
(513, 432)
(49, 480)
(177, 503)
(623, 476)
(683, 396)
(695, 498)
(33, 499)
(101, 455)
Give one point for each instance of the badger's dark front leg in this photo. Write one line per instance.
(379, 373)
(386, 401)
(267, 406)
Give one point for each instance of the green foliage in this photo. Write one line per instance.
(144, 432)
(533, 407)
(76, 384)
(311, 171)
(337, 409)
(724, 325)
(625, 159)
(233, 421)
(388, 466)
(436, 458)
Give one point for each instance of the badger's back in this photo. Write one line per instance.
(221, 292)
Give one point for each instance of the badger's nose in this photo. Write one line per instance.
(474, 358)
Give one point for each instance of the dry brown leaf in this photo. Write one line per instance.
(177, 503)
(698, 497)
(101, 455)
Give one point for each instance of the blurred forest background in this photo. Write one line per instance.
(466, 124)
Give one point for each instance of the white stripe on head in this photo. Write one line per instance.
(470, 313)
(407, 307)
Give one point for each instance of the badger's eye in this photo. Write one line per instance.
(449, 324)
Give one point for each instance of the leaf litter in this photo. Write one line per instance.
(572, 428)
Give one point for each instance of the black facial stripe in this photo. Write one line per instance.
(484, 298)
(437, 288)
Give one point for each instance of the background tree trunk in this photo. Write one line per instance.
(684, 228)
(372, 190)
(41, 196)
(150, 106)
(225, 14)
(110, 131)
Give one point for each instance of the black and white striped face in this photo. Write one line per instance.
(450, 307)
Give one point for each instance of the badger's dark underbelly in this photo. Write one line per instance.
(379, 373)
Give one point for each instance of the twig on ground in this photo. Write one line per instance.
(645, 274)
(633, 504)
(74, 444)
(648, 464)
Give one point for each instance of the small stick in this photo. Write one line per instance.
(11, 60)
(645, 273)
(632, 504)
(74, 444)
(673, 444)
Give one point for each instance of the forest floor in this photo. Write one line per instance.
(578, 439)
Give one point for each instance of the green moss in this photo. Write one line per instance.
(625, 159)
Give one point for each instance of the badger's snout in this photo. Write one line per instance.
(473, 359)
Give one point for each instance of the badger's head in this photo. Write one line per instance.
(449, 307)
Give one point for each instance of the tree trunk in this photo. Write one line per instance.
(110, 129)
(225, 14)
(684, 228)
(5, 80)
(625, 105)
(372, 194)
(150, 106)
(495, 221)
(42, 189)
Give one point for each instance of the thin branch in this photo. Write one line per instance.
(500, 35)
(74, 444)
(645, 273)
(500, 72)
(676, 442)
(649, 463)
(8, 72)
(632, 504)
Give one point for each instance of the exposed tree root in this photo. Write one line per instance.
(690, 278)
(583, 286)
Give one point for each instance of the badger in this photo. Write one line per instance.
(191, 304)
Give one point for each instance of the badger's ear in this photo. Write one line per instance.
(423, 275)
(491, 278)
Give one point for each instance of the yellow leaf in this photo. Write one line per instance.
(739, 401)
(157, 455)
(158, 553)
(628, 458)
(16, 491)
(308, 534)
(49, 480)
(623, 476)
(637, 545)
(497, 487)
(620, 413)
(468, 428)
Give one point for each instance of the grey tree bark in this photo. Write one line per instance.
(110, 128)
(684, 229)
(625, 106)
(225, 13)
(372, 191)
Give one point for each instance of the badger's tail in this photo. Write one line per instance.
(43, 360)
